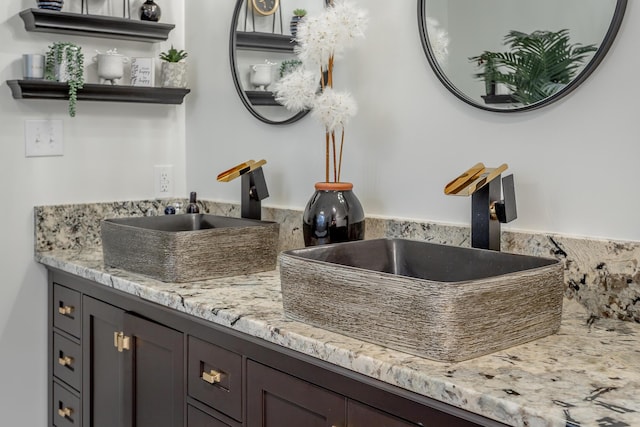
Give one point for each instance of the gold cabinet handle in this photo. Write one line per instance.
(66, 310)
(212, 376)
(65, 412)
(121, 341)
(65, 361)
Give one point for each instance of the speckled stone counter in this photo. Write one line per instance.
(586, 375)
(603, 275)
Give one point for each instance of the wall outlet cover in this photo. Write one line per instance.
(163, 181)
(43, 138)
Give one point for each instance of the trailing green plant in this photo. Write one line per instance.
(536, 66)
(70, 56)
(288, 66)
(299, 12)
(173, 55)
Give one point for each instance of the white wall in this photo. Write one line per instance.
(574, 162)
(110, 150)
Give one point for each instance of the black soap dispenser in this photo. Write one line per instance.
(192, 207)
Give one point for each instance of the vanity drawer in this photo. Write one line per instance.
(67, 360)
(215, 377)
(66, 407)
(66, 310)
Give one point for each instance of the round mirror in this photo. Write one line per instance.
(261, 49)
(505, 55)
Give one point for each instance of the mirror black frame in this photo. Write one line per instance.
(236, 79)
(609, 37)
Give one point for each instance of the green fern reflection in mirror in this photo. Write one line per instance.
(536, 66)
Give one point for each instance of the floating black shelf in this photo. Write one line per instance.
(44, 89)
(261, 97)
(264, 41)
(50, 21)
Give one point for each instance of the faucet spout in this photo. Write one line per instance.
(488, 208)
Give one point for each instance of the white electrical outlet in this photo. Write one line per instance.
(163, 181)
(43, 138)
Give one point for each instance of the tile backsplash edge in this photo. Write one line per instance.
(603, 275)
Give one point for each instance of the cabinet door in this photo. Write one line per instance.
(275, 399)
(154, 373)
(359, 415)
(103, 367)
(140, 384)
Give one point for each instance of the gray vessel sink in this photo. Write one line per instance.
(441, 302)
(189, 247)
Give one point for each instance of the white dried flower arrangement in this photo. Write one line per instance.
(321, 40)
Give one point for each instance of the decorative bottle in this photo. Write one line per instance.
(150, 11)
(192, 207)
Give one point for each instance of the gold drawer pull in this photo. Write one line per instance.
(66, 310)
(65, 412)
(212, 377)
(65, 361)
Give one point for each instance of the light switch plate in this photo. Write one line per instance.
(43, 138)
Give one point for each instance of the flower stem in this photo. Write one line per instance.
(330, 72)
(335, 163)
(327, 157)
(340, 161)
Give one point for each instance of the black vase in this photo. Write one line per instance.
(50, 4)
(334, 214)
(293, 25)
(150, 11)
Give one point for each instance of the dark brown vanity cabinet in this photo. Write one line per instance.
(120, 361)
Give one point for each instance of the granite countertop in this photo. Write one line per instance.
(586, 375)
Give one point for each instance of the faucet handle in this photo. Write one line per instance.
(505, 210)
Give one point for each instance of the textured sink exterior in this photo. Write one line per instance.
(189, 247)
(441, 302)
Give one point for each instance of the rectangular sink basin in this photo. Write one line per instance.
(189, 247)
(445, 303)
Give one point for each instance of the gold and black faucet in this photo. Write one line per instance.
(253, 187)
(493, 201)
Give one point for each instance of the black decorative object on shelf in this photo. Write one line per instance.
(110, 27)
(50, 4)
(43, 89)
(150, 11)
(332, 215)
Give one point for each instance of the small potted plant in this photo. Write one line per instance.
(298, 14)
(173, 69)
(64, 62)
